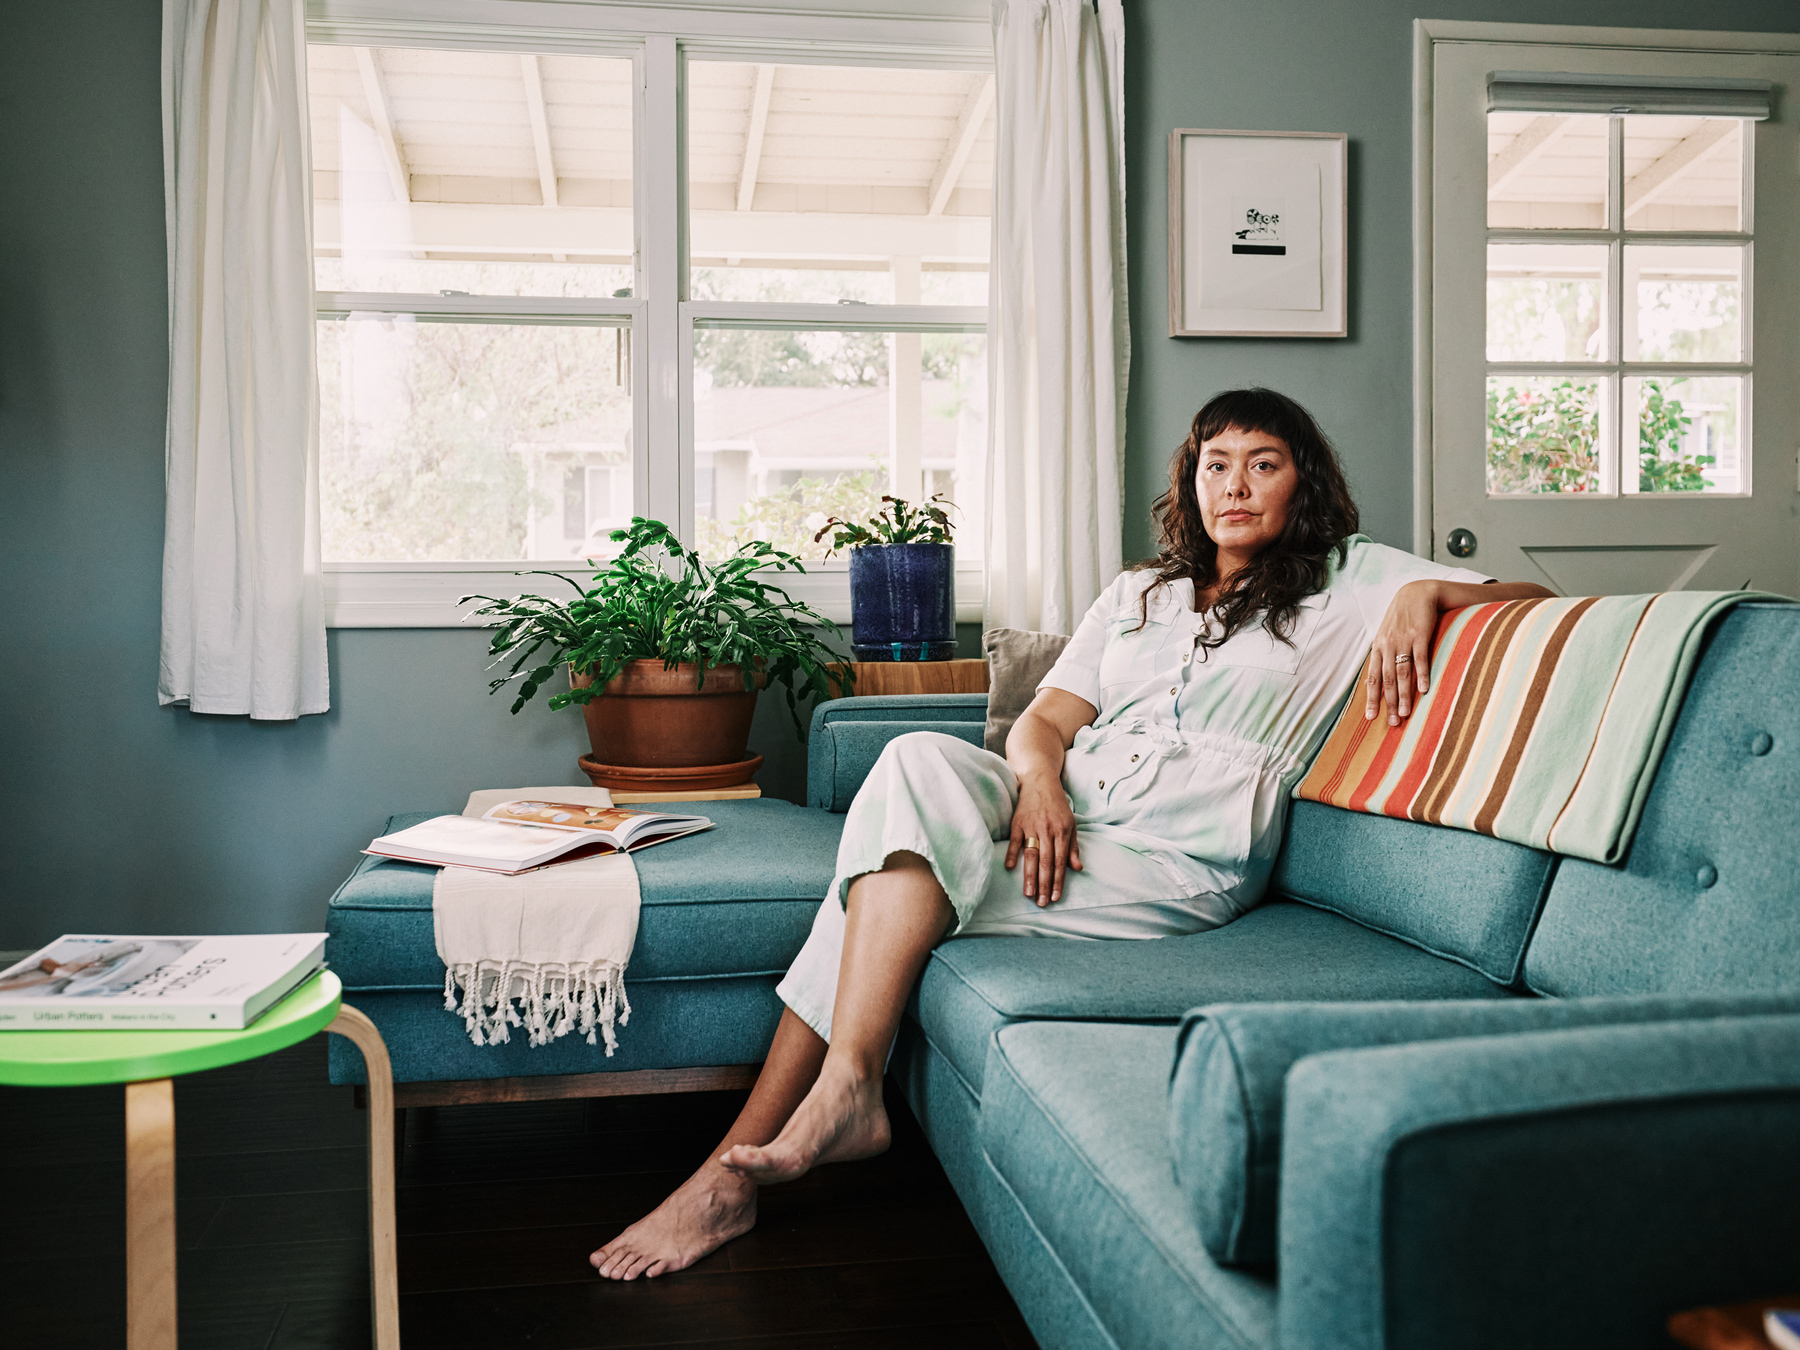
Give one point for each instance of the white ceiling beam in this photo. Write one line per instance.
(753, 135)
(961, 142)
(540, 125)
(1664, 172)
(375, 91)
(1538, 136)
(459, 227)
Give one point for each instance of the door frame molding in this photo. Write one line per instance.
(1427, 33)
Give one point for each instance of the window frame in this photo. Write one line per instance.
(1618, 433)
(658, 40)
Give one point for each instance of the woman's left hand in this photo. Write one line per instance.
(1400, 657)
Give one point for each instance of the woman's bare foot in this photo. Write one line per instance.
(841, 1119)
(708, 1210)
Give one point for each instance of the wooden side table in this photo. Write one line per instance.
(146, 1062)
(961, 676)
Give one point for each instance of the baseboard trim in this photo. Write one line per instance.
(558, 1087)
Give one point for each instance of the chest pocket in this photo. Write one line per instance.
(1133, 655)
(1257, 649)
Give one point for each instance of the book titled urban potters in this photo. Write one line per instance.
(86, 981)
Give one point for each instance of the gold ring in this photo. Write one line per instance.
(1404, 656)
(1031, 841)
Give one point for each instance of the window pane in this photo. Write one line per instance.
(450, 442)
(1546, 302)
(791, 428)
(1546, 172)
(1683, 173)
(494, 173)
(826, 183)
(1685, 303)
(1543, 434)
(1688, 433)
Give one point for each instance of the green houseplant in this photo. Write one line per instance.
(666, 653)
(902, 580)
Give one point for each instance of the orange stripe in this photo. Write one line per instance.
(1528, 715)
(1471, 704)
(1420, 758)
(1343, 754)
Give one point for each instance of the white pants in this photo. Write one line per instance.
(952, 803)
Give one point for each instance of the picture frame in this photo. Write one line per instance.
(1258, 233)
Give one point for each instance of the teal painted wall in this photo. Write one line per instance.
(117, 815)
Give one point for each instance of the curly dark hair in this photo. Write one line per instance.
(1321, 517)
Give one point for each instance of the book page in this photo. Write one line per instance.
(563, 815)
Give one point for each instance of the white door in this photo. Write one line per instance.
(1615, 333)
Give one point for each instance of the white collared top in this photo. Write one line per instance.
(1196, 749)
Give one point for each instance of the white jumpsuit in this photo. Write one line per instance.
(1179, 786)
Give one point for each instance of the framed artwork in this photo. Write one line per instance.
(1257, 228)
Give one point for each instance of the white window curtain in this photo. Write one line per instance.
(243, 627)
(1058, 345)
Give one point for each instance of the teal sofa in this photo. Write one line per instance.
(1437, 1090)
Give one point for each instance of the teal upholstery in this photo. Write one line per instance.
(1071, 1120)
(674, 1024)
(975, 986)
(724, 914)
(1705, 898)
(847, 736)
(738, 899)
(1055, 1308)
(1466, 897)
(1550, 1189)
(1232, 1061)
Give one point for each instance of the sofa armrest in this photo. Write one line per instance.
(847, 735)
(1560, 1188)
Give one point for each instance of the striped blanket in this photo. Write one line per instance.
(1544, 723)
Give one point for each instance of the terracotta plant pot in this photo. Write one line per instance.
(652, 718)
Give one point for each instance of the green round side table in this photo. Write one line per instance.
(146, 1062)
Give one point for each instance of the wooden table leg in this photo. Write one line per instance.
(384, 1291)
(150, 1215)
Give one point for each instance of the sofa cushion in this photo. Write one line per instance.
(835, 769)
(1278, 951)
(1018, 660)
(850, 750)
(1072, 1123)
(1704, 901)
(1231, 1065)
(736, 900)
(1465, 897)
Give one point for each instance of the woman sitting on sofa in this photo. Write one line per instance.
(1142, 794)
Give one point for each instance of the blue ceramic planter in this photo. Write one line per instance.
(903, 602)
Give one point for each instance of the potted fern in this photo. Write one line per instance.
(666, 653)
(902, 580)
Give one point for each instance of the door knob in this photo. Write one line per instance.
(1461, 543)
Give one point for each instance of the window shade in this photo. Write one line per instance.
(1543, 91)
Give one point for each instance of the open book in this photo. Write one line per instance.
(517, 836)
(92, 981)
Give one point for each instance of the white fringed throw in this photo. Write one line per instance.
(545, 951)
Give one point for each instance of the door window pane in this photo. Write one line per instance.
(1546, 302)
(1684, 303)
(1688, 438)
(1684, 173)
(826, 184)
(495, 173)
(1546, 172)
(451, 442)
(793, 427)
(1543, 434)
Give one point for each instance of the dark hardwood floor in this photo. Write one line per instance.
(498, 1209)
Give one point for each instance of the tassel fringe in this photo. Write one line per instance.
(548, 1000)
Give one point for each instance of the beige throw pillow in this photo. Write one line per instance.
(1017, 660)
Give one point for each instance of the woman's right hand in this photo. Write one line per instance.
(1043, 823)
(1043, 838)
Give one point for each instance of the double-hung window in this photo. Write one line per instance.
(738, 289)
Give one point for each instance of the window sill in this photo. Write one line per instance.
(425, 595)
